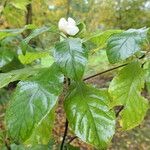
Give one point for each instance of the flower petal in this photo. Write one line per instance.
(62, 24)
(72, 30)
(71, 21)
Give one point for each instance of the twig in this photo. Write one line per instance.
(73, 138)
(68, 8)
(65, 134)
(66, 124)
(111, 69)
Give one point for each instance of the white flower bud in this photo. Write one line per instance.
(68, 26)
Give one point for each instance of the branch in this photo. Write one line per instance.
(66, 124)
(65, 134)
(68, 8)
(73, 138)
(111, 69)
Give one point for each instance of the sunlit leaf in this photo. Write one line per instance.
(99, 40)
(89, 115)
(37, 96)
(31, 56)
(20, 4)
(47, 61)
(71, 58)
(123, 45)
(125, 90)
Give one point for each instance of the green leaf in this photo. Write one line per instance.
(89, 115)
(148, 78)
(71, 58)
(42, 132)
(47, 61)
(99, 40)
(20, 4)
(21, 74)
(39, 147)
(1, 138)
(4, 96)
(13, 65)
(3, 147)
(70, 147)
(37, 32)
(31, 56)
(123, 45)
(14, 32)
(125, 89)
(82, 29)
(6, 56)
(22, 147)
(33, 101)
(17, 147)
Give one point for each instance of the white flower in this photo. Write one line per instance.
(68, 26)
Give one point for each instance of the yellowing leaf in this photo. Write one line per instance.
(125, 90)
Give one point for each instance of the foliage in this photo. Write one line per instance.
(40, 71)
(40, 87)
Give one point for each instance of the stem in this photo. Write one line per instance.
(111, 69)
(68, 8)
(66, 124)
(73, 138)
(65, 134)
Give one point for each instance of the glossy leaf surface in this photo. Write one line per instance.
(89, 116)
(71, 57)
(33, 101)
(123, 45)
(125, 89)
(20, 74)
